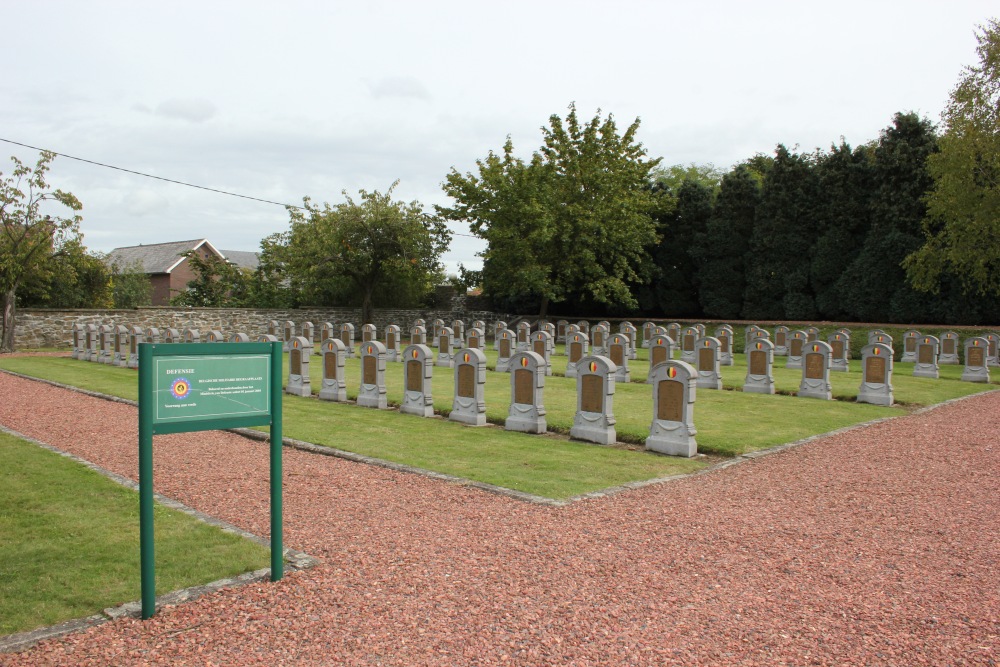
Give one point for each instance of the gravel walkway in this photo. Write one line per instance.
(879, 546)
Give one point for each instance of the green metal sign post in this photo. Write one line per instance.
(203, 387)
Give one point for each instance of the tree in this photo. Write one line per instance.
(962, 226)
(677, 257)
(73, 278)
(674, 176)
(31, 234)
(572, 223)
(375, 249)
(216, 284)
(130, 286)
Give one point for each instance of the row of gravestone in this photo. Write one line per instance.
(118, 345)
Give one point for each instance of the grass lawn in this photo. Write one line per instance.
(69, 542)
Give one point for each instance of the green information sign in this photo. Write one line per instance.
(199, 387)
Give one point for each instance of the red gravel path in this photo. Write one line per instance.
(879, 546)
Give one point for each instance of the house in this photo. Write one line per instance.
(168, 270)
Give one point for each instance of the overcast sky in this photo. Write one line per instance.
(281, 100)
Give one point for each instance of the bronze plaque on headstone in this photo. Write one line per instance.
(618, 354)
(366, 336)
(444, 342)
(474, 342)
(330, 366)
(975, 356)
(658, 355)
(345, 338)
(910, 344)
(592, 393)
(948, 345)
(838, 349)
(706, 359)
(369, 369)
(670, 401)
(814, 366)
(925, 354)
(466, 381)
(133, 342)
(779, 339)
(288, 333)
(992, 346)
(522, 335)
(599, 339)
(505, 347)
(875, 370)
(539, 348)
(575, 351)
(414, 375)
(390, 340)
(688, 342)
(725, 343)
(524, 386)
(758, 362)
(796, 350)
(295, 362)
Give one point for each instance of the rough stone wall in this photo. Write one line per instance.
(53, 328)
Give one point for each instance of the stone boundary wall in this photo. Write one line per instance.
(38, 327)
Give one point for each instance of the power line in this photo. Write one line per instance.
(176, 182)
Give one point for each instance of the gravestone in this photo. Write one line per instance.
(479, 324)
(876, 375)
(781, 341)
(289, 333)
(841, 345)
(701, 330)
(392, 347)
(135, 336)
(469, 406)
(672, 431)
(595, 392)
(152, 335)
(599, 339)
(327, 330)
(606, 325)
(372, 392)
(619, 351)
(458, 334)
(577, 347)
(105, 338)
(78, 339)
(420, 322)
(527, 384)
(689, 350)
(497, 328)
(540, 342)
(561, 331)
(334, 384)
(708, 358)
(949, 348)
(215, 336)
(674, 331)
(309, 333)
(724, 334)
(796, 345)
(347, 338)
(874, 334)
(477, 339)
(268, 338)
(368, 333)
(273, 327)
(299, 351)
(418, 369)
(418, 335)
(661, 350)
(171, 336)
(506, 349)
(633, 339)
(753, 331)
(444, 345)
(90, 340)
(192, 336)
(844, 330)
(910, 339)
(976, 367)
(584, 328)
(523, 336)
(239, 337)
(436, 327)
(816, 359)
(648, 331)
(812, 333)
(760, 367)
(120, 346)
(550, 329)
(992, 358)
(926, 365)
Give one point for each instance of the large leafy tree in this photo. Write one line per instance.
(962, 226)
(571, 223)
(360, 252)
(31, 232)
(677, 257)
(217, 283)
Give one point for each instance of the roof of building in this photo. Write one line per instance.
(157, 257)
(243, 258)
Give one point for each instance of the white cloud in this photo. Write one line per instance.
(195, 110)
(399, 86)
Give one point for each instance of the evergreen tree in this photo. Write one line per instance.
(676, 288)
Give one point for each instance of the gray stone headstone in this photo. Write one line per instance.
(420, 322)
(497, 328)
(701, 330)
(372, 392)
(841, 345)
(595, 392)
(672, 430)
(76, 331)
(993, 351)
(796, 346)
(458, 334)
(584, 328)
(816, 359)
(976, 367)
(369, 333)
(577, 347)
(215, 336)
(445, 340)
(673, 330)
(347, 338)
(135, 336)
(527, 384)
(949, 348)
(309, 332)
(523, 336)
(299, 351)
(288, 329)
(619, 352)
(926, 365)
(781, 341)
(326, 330)
(193, 336)
(418, 335)
(418, 370)
(812, 333)
(105, 337)
(876, 375)
(268, 338)
(274, 328)
(172, 336)
(633, 339)
(550, 329)
(436, 327)
(844, 330)
(479, 324)
(753, 331)
(152, 335)
(506, 348)
(661, 350)
(724, 335)
(476, 338)
(239, 337)
(393, 342)
(561, 331)
(648, 331)
(760, 366)
(910, 339)
(541, 343)
(119, 346)
(469, 406)
(90, 341)
(873, 335)
(334, 384)
(708, 358)
(599, 339)
(688, 345)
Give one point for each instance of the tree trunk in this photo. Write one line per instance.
(367, 307)
(7, 330)
(544, 308)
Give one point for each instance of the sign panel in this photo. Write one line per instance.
(200, 387)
